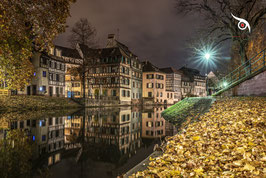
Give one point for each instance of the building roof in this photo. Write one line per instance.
(188, 74)
(110, 52)
(149, 67)
(170, 70)
(68, 52)
(125, 49)
(113, 43)
(190, 70)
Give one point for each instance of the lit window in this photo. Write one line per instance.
(58, 53)
(57, 158)
(52, 51)
(50, 160)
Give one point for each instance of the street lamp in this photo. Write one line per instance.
(224, 83)
(207, 56)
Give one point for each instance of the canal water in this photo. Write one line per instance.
(95, 142)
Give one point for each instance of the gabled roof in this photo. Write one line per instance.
(68, 52)
(125, 49)
(149, 67)
(109, 52)
(190, 70)
(104, 52)
(170, 70)
(99, 53)
(88, 52)
(188, 74)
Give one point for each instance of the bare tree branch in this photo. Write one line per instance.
(221, 24)
(83, 33)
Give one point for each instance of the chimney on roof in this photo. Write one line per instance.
(111, 41)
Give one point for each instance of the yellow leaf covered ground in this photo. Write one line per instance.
(228, 141)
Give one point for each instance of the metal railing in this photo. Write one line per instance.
(245, 71)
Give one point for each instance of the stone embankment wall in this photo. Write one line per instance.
(255, 86)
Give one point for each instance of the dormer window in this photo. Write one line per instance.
(58, 53)
(51, 51)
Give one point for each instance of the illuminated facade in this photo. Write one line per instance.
(49, 75)
(153, 85)
(193, 83)
(72, 59)
(115, 72)
(173, 85)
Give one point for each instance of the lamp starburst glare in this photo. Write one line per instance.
(206, 54)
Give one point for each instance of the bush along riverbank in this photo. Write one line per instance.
(24, 103)
(228, 141)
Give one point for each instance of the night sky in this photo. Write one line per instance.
(150, 28)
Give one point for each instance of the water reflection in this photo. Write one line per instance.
(96, 142)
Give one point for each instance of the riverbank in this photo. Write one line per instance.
(27, 103)
(186, 111)
(229, 140)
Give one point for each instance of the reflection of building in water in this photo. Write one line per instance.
(47, 135)
(153, 124)
(72, 128)
(115, 126)
(107, 128)
(135, 129)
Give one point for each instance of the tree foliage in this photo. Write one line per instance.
(83, 33)
(221, 25)
(26, 26)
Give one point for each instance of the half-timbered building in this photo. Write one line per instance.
(49, 75)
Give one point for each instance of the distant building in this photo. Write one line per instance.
(49, 75)
(173, 84)
(212, 82)
(193, 83)
(136, 81)
(72, 59)
(114, 72)
(135, 68)
(153, 84)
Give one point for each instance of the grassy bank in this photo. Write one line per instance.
(187, 110)
(228, 141)
(24, 103)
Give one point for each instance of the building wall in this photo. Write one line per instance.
(158, 95)
(111, 76)
(200, 87)
(49, 76)
(186, 88)
(72, 83)
(136, 81)
(173, 87)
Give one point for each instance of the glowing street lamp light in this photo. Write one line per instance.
(225, 83)
(207, 56)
